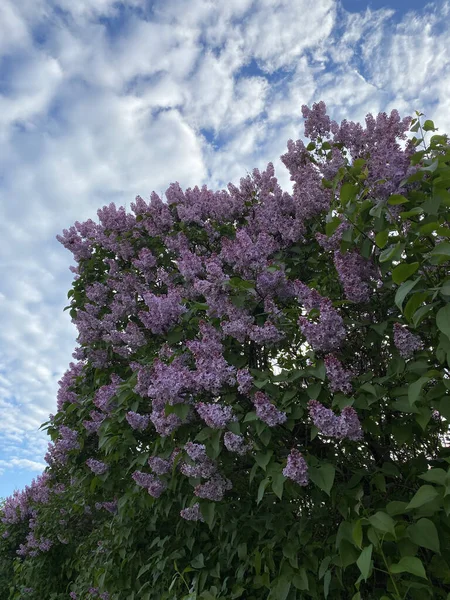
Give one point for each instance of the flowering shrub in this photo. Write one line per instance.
(261, 392)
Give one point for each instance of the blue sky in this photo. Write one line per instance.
(101, 100)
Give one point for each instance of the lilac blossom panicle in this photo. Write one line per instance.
(137, 421)
(406, 342)
(214, 489)
(340, 378)
(154, 486)
(192, 513)
(266, 411)
(97, 466)
(213, 371)
(296, 468)
(333, 241)
(203, 465)
(345, 426)
(159, 466)
(65, 394)
(164, 311)
(235, 443)
(215, 415)
(354, 272)
(328, 333)
(244, 380)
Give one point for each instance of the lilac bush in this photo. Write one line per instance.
(260, 397)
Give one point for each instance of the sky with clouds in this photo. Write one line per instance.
(101, 100)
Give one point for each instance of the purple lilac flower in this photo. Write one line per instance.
(268, 334)
(65, 393)
(244, 380)
(235, 443)
(340, 378)
(159, 465)
(347, 425)
(104, 394)
(406, 342)
(266, 411)
(73, 596)
(192, 513)
(164, 311)
(137, 421)
(333, 241)
(203, 466)
(296, 468)
(154, 486)
(213, 371)
(214, 489)
(97, 466)
(354, 271)
(215, 415)
(317, 122)
(328, 333)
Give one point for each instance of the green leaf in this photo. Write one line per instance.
(381, 238)
(382, 522)
(143, 570)
(404, 271)
(443, 320)
(396, 507)
(409, 564)
(397, 199)
(323, 477)
(261, 489)
(357, 533)
(348, 193)
(364, 561)
(429, 125)
(278, 480)
(392, 252)
(404, 290)
(263, 458)
(426, 493)
(326, 583)
(300, 580)
(208, 509)
(442, 249)
(424, 533)
(198, 562)
(435, 476)
(415, 389)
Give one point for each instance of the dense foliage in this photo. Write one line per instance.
(261, 393)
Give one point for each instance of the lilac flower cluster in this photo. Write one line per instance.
(340, 378)
(296, 468)
(154, 486)
(354, 272)
(345, 426)
(192, 513)
(97, 419)
(164, 311)
(137, 421)
(58, 451)
(235, 443)
(406, 342)
(65, 391)
(244, 380)
(266, 411)
(215, 416)
(97, 466)
(203, 465)
(213, 371)
(328, 333)
(104, 394)
(333, 241)
(214, 489)
(159, 465)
